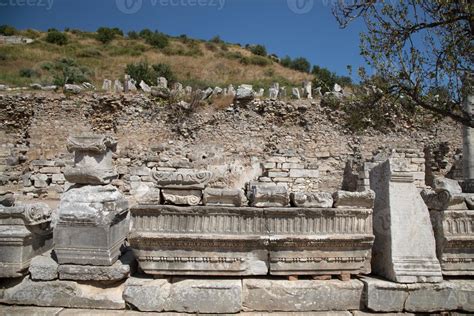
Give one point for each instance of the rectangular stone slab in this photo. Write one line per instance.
(454, 236)
(173, 240)
(319, 241)
(301, 296)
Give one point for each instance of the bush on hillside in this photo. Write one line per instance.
(28, 73)
(157, 39)
(326, 79)
(149, 74)
(56, 37)
(133, 35)
(301, 64)
(106, 34)
(259, 50)
(7, 30)
(67, 70)
(256, 60)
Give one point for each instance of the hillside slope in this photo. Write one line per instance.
(194, 62)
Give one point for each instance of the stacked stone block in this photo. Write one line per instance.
(93, 215)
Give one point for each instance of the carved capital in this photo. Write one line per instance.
(93, 143)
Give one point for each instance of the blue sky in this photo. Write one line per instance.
(286, 27)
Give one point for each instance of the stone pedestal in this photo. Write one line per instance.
(25, 231)
(404, 250)
(92, 225)
(93, 217)
(92, 159)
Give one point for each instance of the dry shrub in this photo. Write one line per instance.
(222, 101)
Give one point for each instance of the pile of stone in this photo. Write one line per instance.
(44, 178)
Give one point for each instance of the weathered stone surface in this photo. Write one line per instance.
(454, 236)
(386, 296)
(147, 295)
(404, 250)
(43, 268)
(244, 93)
(224, 197)
(188, 296)
(363, 199)
(120, 270)
(72, 88)
(92, 225)
(25, 232)
(313, 241)
(300, 296)
(182, 179)
(64, 293)
(443, 200)
(181, 197)
(311, 199)
(145, 87)
(445, 184)
(205, 296)
(92, 159)
(200, 241)
(7, 199)
(29, 310)
(263, 195)
(162, 82)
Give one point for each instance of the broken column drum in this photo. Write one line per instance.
(25, 231)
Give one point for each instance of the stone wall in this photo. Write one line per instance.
(297, 143)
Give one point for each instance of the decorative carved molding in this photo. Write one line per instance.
(189, 179)
(93, 143)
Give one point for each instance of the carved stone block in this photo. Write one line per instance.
(182, 179)
(264, 195)
(311, 199)
(169, 240)
(364, 199)
(25, 232)
(92, 159)
(92, 225)
(181, 197)
(224, 197)
(454, 240)
(404, 250)
(319, 241)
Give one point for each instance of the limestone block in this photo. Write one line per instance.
(182, 179)
(120, 270)
(318, 241)
(363, 199)
(186, 296)
(224, 197)
(263, 195)
(43, 268)
(181, 197)
(147, 295)
(92, 225)
(404, 250)
(25, 232)
(211, 240)
(58, 178)
(92, 159)
(454, 240)
(443, 200)
(386, 296)
(205, 296)
(50, 170)
(304, 173)
(311, 199)
(64, 294)
(301, 296)
(445, 184)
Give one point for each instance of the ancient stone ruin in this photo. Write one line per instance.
(174, 228)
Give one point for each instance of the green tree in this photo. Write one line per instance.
(66, 70)
(7, 30)
(418, 46)
(157, 39)
(301, 64)
(55, 37)
(106, 34)
(259, 50)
